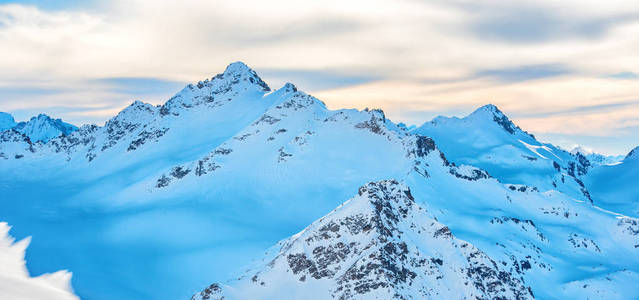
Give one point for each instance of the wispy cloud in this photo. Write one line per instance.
(310, 80)
(409, 57)
(516, 23)
(523, 73)
(139, 86)
(624, 75)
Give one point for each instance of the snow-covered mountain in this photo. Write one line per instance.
(202, 184)
(490, 140)
(615, 186)
(41, 128)
(553, 243)
(597, 159)
(6, 121)
(379, 245)
(15, 282)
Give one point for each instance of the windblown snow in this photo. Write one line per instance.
(15, 282)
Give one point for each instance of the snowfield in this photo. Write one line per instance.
(184, 198)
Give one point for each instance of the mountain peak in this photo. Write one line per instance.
(136, 112)
(633, 154)
(489, 109)
(237, 68)
(235, 73)
(6, 121)
(581, 149)
(492, 111)
(43, 128)
(289, 87)
(42, 116)
(380, 244)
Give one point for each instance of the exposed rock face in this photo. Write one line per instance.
(379, 245)
(633, 154)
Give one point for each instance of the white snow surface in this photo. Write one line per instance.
(616, 186)
(15, 282)
(163, 200)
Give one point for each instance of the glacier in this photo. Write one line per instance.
(163, 200)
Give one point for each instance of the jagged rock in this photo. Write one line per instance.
(379, 245)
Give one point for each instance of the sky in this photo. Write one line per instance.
(567, 71)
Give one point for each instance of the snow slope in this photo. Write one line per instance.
(15, 282)
(615, 186)
(163, 200)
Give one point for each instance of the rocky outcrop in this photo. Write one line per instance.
(379, 245)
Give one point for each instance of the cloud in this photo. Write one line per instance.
(624, 75)
(311, 81)
(523, 73)
(581, 109)
(412, 58)
(83, 101)
(139, 86)
(519, 24)
(52, 5)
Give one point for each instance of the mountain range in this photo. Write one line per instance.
(184, 198)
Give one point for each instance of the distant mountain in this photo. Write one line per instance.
(597, 159)
(38, 129)
(203, 183)
(615, 187)
(15, 282)
(6, 121)
(43, 128)
(488, 139)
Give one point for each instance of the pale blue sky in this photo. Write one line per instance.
(566, 71)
